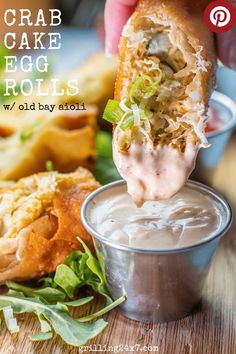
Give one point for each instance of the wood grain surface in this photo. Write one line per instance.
(211, 329)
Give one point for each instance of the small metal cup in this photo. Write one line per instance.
(209, 158)
(160, 285)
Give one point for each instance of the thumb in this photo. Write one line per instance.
(117, 13)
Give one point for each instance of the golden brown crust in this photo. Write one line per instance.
(43, 241)
(67, 138)
(184, 16)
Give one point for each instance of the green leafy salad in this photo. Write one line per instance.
(53, 295)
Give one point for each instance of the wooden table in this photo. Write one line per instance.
(210, 330)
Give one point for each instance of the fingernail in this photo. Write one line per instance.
(108, 54)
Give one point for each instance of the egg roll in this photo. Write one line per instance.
(165, 78)
(40, 222)
(65, 138)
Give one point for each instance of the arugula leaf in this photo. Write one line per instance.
(70, 330)
(99, 285)
(49, 303)
(104, 143)
(66, 279)
(46, 294)
(105, 170)
(101, 261)
(41, 336)
(86, 269)
(45, 326)
(46, 281)
(79, 302)
(92, 262)
(102, 311)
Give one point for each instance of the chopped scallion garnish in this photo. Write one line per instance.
(113, 113)
(127, 122)
(133, 111)
(26, 135)
(49, 166)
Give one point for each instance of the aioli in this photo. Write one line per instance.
(154, 173)
(188, 218)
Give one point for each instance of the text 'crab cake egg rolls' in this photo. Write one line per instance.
(165, 78)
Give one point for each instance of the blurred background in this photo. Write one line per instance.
(82, 56)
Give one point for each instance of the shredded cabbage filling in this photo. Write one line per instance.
(156, 106)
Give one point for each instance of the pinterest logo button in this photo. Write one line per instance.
(220, 16)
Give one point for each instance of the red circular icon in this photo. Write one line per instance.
(220, 16)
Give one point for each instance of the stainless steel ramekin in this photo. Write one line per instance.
(160, 285)
(209, 158)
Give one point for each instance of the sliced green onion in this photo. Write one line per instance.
(113, 113)
(125, 106)
(127, 122)
(134, 111)
(26, 134)
(49, 166)
(144, 87)
(137, 114)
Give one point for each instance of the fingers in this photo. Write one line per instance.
(117, 13)
(226, 48)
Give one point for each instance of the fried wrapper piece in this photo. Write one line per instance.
(66, 138)
(40, 222)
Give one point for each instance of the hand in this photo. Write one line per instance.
(117, 13)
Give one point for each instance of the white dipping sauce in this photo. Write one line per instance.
(188, 218)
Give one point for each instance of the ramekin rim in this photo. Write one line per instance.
(220, 233)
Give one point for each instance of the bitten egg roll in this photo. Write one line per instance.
(165, 78)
